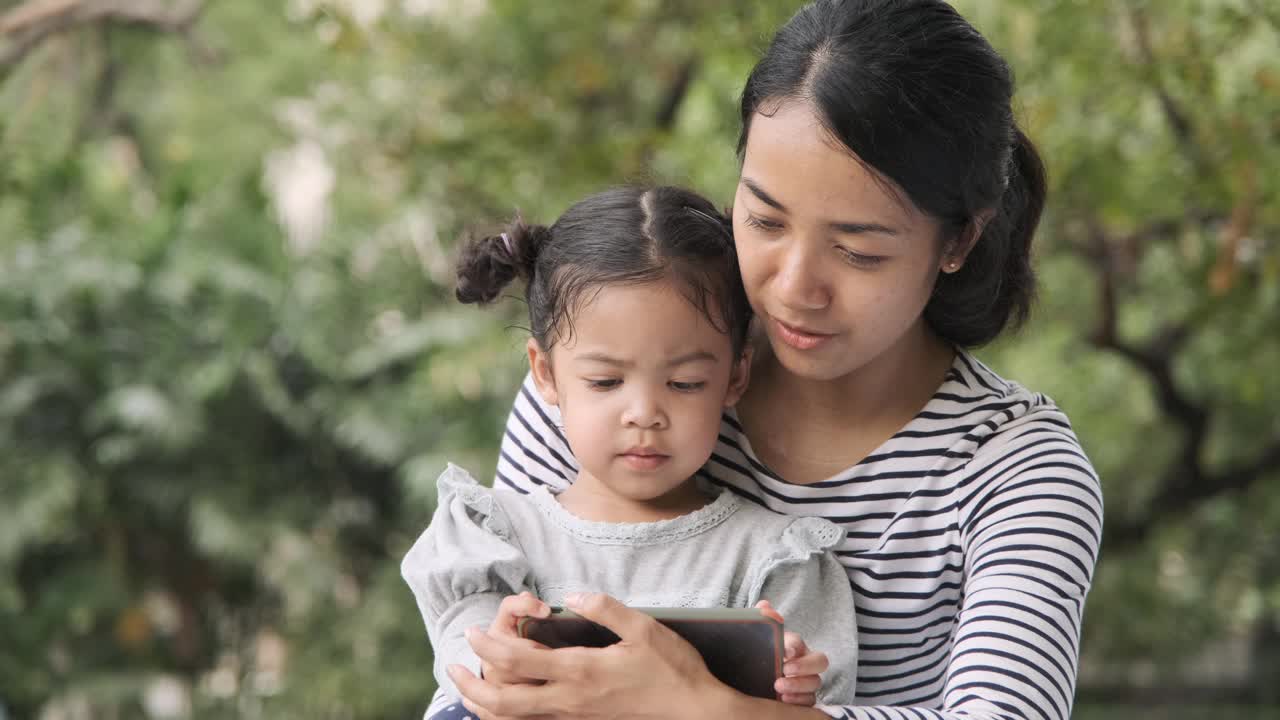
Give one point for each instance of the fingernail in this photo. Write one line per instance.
(790, 653)
(574, 599)
(452, 670)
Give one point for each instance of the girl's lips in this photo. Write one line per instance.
(644, 461)
(798, 338)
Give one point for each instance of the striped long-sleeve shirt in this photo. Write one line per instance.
(971, 539)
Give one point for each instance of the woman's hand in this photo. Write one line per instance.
(506, 625)
(801, 668)
(651, 673)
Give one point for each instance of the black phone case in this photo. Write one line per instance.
(742, 648)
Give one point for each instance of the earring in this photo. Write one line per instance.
(953, 266)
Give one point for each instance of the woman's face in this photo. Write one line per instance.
(838, 268)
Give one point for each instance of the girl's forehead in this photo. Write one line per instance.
(642, 322)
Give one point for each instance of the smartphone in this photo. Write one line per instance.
(741, 646)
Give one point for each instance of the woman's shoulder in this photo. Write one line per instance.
(999, 409)
(1019, 437)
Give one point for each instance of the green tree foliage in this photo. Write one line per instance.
(231, 367)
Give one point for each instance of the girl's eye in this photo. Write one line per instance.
(763, 224)
(688, 387)
(860, 260)
(602, 385)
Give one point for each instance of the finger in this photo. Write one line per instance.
(491, 702)
(510, 656)
(629, 625)
(805, 699)
(797, 685)
(813, 663)
(795, 646)
(480, 713)
(514, 607)
(768, 610)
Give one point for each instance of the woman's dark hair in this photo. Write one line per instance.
(622, 235)
(918, 95)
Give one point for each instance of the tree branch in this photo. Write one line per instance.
(23, 28)
(1186, 482)
(1177, 117)
(676, 92)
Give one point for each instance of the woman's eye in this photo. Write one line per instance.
(687, 386)
(763, 224)
(605, 384)
(859, 259)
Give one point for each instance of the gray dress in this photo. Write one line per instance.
(483, 545)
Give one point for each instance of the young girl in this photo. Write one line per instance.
(639, 324)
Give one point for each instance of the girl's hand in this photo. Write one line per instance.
(650, 673)
(506, 624)
(801, 668)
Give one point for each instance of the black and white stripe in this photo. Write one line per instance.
(971, 540)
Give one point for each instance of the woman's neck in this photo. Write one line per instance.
(900, 381)
(810, 429)
(590, 499)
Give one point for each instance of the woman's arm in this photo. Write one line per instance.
(534, 450)
(650, 673)
(1030, 542)
(1030, 539)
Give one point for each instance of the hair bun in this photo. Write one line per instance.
(489, 263)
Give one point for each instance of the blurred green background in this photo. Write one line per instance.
(231, 368)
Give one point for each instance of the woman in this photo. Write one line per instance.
(883, 223)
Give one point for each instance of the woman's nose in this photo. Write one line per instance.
(800, 284)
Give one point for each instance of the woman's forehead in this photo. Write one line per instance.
(792, 160)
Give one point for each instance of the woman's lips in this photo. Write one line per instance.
(799, 338)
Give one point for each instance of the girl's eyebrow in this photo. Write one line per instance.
(604, 358)
(690, 357)
(695, 356)
(851, 228)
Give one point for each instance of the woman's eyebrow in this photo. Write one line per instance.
(861, 228)
(765, 197)
(851, 228)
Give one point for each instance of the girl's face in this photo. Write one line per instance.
(838, 269)
(640, 380)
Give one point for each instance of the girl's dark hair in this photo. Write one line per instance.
(622, 235)
(919, 96)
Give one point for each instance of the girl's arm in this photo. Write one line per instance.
(461, 569)
(809, 587)
(534, 450)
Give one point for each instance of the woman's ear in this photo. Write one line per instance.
(958, 249)
(739, 376)
(543, 378)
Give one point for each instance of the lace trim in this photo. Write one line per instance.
(649, 533)
(554, 595)
(457, 482)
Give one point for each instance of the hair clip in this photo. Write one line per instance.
(717, 222)
(506, 243)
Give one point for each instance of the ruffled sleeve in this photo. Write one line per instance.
(462, 567)
(802, 578)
